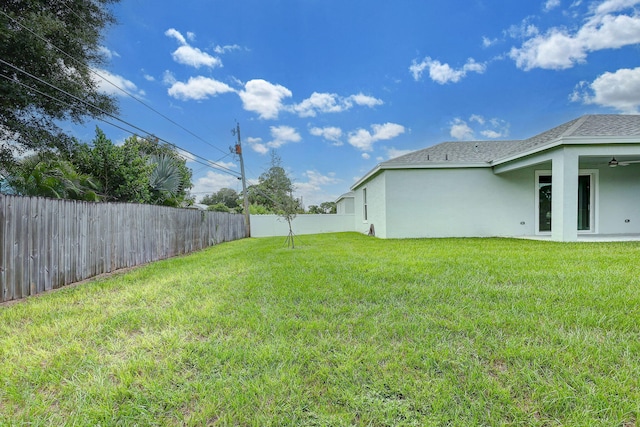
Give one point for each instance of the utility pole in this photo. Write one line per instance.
(245, 196)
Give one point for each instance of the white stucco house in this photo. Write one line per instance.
(582, 177)
(345, 204)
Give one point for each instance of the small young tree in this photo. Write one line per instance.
(275, 190)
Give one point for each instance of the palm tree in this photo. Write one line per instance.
(165, 179)
(42, 175)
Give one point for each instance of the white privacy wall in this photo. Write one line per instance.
(472, 202)
(273, 225)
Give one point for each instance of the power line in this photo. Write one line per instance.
(207, 162)
(91, 70)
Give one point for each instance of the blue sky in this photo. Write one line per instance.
(337, 86)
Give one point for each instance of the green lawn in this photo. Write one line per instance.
(343, 330)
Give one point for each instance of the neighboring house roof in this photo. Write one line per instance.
(486, 153)
(350, 194)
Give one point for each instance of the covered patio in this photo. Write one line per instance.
(586, 190)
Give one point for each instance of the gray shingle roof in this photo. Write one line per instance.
(475, 152)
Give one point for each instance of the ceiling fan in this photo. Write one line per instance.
(613, 162)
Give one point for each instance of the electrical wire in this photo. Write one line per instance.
(93, 71)
(208, 164)
(231, 172)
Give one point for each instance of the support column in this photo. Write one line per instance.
(564, 196)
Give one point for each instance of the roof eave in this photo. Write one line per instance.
(345, 196)
(366, 177)
(569, 140)
(450, 165)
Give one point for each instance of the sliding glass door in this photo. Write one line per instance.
(585, 202)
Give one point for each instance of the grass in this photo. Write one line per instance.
(343, 330)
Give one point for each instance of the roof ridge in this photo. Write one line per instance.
(578, 122)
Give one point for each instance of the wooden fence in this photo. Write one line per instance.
(47, 243)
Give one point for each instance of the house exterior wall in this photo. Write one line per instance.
(619, 200)
(376, 206)
(471, 202)
(346, 206)
(499, 201)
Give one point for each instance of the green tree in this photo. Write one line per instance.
(139, 171)
(151, 146)
(218, 207)
(226, 196)
(165, 178)
(123, 173)
(255, 209)
(324, 208)
(328, 207)
(40, 175)
(315, 209)
(275, 191)
(33, 36)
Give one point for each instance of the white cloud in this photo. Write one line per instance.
(283, 135)
(280, 135)
(330, 133)
(487, 42)
(317, 180)
(257, 145)
(260, 148)
(319, 102)
(189, 55)
(227, 48)
(149, 78)
(198, 88)
(491, 129)
(491, 134)
(460, 129)
(560, 48)
(172, 32)
(332, 103)
(228, 165)
(443, 73)
(313, 191)
(525, 30)
(366, 156)
(610, 6)
(392, 153)
(168, 78)
(365, 100)
(186, 155)
(363, 140)
(477, 118)
(108, 53)
(387, 131)
(500, 129)
(551, 4)
(191, 36)
(213, 182)
(109, 83)
(619, 90)
(264, 98)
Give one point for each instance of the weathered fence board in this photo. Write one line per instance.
(49, 243)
